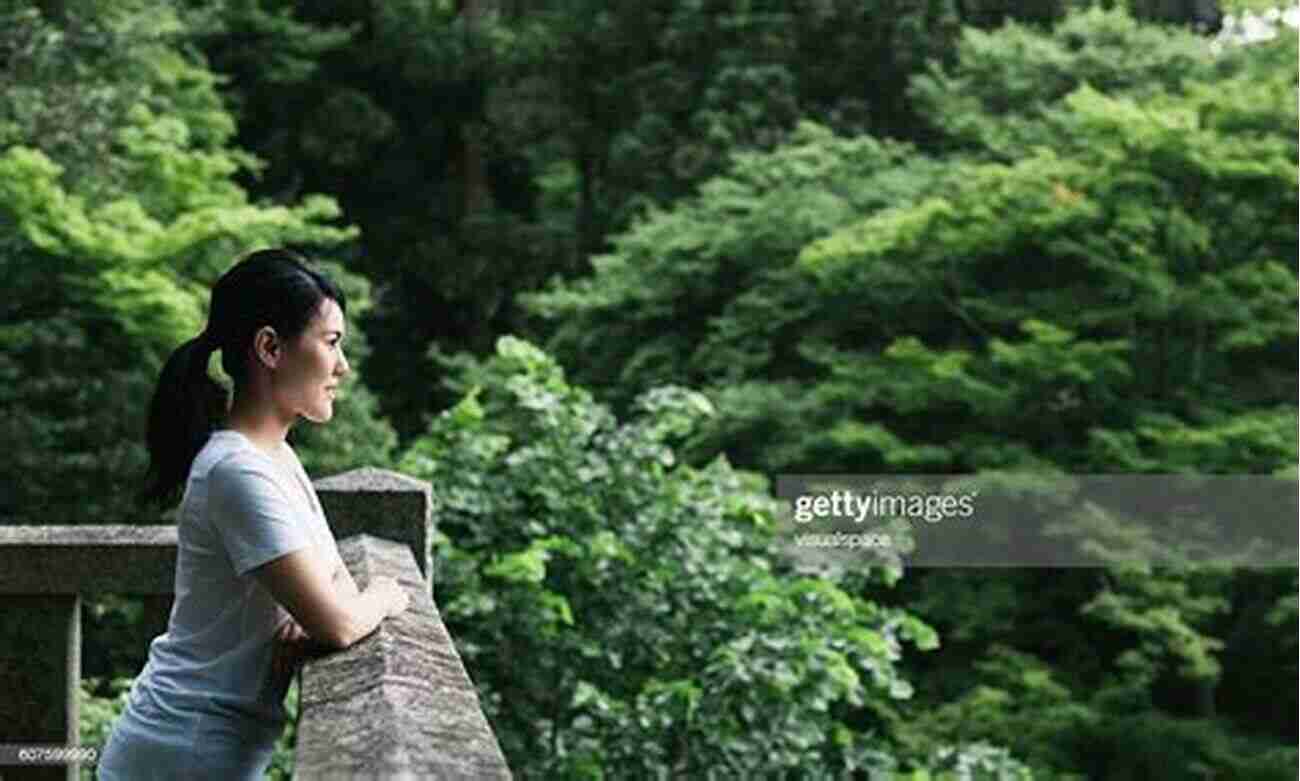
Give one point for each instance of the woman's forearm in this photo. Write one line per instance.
(344, 583)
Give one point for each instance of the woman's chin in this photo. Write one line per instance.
(320, 415)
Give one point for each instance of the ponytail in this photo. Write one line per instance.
(187, 405)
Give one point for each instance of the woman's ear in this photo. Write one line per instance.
(266, 346)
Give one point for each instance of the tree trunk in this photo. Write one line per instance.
(474, 185)
(586, 217)
(1205, 691)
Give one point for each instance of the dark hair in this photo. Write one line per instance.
(275, 287)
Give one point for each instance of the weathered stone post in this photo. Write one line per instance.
(382, 504)
(38, 681)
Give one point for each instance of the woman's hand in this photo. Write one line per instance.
(397, 599)
(290, 647)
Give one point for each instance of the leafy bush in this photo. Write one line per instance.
(98, 712)
(624, 613)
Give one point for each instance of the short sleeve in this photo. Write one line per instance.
(252, 515)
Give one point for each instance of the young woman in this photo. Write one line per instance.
(259, 582)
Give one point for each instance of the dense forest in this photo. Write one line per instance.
(614, 267)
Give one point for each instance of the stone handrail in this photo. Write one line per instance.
(398, 704)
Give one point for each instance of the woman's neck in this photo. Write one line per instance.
(263, 430)
(271, 443)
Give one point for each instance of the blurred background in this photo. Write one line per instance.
(614, 266)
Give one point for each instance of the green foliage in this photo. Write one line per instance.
(282, 760)
(265, 41)
(1019, 703)
(1154, 745)
(1003, 81)
(1043, 722)
(973, 762)
(701, 276)
(1255, 6)
(100, 703)
(663, 632)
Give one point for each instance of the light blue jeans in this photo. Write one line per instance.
(154, 739)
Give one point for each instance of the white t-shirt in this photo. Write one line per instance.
(242, 508)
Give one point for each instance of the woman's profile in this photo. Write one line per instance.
(259, 581)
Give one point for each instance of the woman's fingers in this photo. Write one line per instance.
(283, 646)
(288, 648)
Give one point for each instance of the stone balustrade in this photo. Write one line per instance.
(399, 704)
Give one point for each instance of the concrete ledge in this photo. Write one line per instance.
(141, 559)
(398, 704)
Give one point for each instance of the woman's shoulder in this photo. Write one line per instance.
(224, 461)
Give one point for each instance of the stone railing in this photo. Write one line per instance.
(398, 704)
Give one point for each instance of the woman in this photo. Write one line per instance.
(259, 582)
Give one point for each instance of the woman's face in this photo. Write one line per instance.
(313, 366)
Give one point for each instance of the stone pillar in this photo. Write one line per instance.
(382, 504)
(40, 680)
